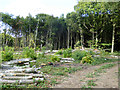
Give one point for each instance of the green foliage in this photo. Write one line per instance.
(91, 83)
(105, 45)
(43, 59)
(107, 66)
(7, 55)
(60, 71)
(78, 55)
(100, 60)
(60, 52)
(37, 48)
(9, 39)
(67, 52)
(103, 53)
(29, 53)
(55, 58)
(43, 50)
(87, 59)
(77, 44)
(91, 53)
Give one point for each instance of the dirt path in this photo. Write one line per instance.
(109, 79)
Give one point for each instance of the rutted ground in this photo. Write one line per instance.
(108, 79)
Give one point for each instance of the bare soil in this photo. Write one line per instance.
(108, 79)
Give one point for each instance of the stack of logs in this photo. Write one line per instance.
(19, 74)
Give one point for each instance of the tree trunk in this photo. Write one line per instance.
(29, 36)
(92, 38)
(71, 39)
(96, 43)
(36, 35)
(81, 35)
(68, 37)
(59, 42)
(113, 38)
(63, 42)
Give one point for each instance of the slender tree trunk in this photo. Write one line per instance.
(81, 35)
(68, 37)
(41, 41)
(47, 38)
(71, 39)
(63, 42)
(26, 40)
(3, 43)
(29, 36)
(96, 39)
(92, 38)
(59, 42)
(113, 38)
(36, 35)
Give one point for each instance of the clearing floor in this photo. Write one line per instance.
(108, 79)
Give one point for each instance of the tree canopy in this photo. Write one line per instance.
(92, 24)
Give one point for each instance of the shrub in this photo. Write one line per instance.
(78, 55)
(87, 59)
(43, 51)
(29, 53)
(7, 55)
(37, 48)
(55, 58)
(67, 53)
(91, 52)
(59, 52)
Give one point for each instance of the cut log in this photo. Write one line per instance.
(27, 70)
(21, 81)
(8, 81)
(65, 61)
(22, 74)
(70, 59)
(33, 61)
(54, 51)
(37, 79)
(30, 70)
(17, 77)
(17, 61)
(27, 63)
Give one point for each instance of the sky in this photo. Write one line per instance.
(24, 7)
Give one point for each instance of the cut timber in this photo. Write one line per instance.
(8, 81)
(22, 74)
(21, 81)
(27, 63)
(70, 59)
(65, 61)
(33, 61)
(27, 70)
(54, 51)
(17, 77)
(17, 61)
(37, 79)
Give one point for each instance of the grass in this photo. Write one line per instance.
(84, 87)
(100, 60)
(107, 66)
(60, 71)
(96, 73)
(99, 70)
(91, 83)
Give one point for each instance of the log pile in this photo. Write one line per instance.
(20, 75)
